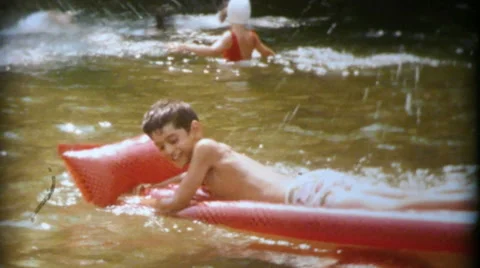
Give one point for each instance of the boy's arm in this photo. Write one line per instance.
(215, 49)
(175, 179)
(141, 187)
(263, 49)
(206, 153)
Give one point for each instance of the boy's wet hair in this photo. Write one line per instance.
(168, 111)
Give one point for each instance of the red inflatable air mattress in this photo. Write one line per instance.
(104, 172)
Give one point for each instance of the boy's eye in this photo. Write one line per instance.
(173, 141)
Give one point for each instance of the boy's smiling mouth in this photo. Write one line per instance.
(175, 156)
(177, 159)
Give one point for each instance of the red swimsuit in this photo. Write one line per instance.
(233, 53)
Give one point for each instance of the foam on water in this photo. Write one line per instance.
(451, 177)
(40, 49)
(71, 128)
(37, 40)
(42, 22)
(322, 60)
(26, 224)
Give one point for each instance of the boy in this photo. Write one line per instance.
(228, 175)
(236, 44)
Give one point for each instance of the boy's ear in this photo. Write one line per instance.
(196, 128)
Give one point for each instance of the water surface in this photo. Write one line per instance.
(392, 105)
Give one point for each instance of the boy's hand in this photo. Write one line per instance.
(162, 206)
(140, 189)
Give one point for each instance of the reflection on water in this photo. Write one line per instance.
(398, 116)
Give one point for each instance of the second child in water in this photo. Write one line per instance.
(238, 43)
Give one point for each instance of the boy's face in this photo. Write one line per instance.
(176, 143)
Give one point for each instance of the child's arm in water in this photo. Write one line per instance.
(215, 49)
(263, 49)
(205, 154)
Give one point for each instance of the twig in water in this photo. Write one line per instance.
(45, 199)
(330, 30)
(288, 117)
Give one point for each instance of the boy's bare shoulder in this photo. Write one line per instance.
(207, 145)
(211, 146)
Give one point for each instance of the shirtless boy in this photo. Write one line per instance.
(236, 44)
(228, 175)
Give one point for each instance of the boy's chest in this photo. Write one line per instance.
(220, 180)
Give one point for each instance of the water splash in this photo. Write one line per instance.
(323, 60)
(53, 22)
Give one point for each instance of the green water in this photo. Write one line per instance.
(367, 108)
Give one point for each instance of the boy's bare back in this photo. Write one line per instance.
(235, 176)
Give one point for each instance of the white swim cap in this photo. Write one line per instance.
(238, 11)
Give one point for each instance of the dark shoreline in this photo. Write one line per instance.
(389, 14)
